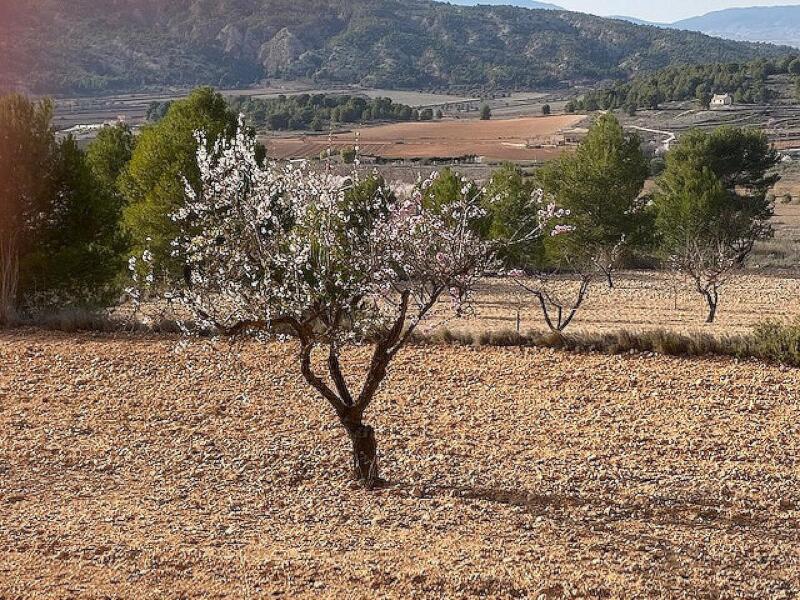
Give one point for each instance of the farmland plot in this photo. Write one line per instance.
(640, 301)
(507, 139)
(131, 470)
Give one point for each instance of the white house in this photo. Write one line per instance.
(721, 101)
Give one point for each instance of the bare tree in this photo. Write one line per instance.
(558, 305)
(710, 266)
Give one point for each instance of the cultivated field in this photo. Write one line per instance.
(130, 470)
(645, 300)
(523, 139)
(640, 301)
(72, 112)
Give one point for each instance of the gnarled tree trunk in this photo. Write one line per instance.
(713, 301)
(365, 454)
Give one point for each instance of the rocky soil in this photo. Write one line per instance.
(133, 467)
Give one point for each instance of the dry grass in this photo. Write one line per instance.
(131, 471)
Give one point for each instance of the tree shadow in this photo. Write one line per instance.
(707, 514)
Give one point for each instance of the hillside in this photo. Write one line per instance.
(775, 24)
(86, 46)
(519, 3)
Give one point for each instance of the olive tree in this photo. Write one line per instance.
(329, 261)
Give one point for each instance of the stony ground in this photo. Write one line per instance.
(639, 301)
(128, 469)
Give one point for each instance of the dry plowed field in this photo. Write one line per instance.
(507, 139)
(639, 301)
(130, 470)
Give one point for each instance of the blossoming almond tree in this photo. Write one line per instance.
(329, 261)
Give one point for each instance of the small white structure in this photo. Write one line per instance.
(721, 101)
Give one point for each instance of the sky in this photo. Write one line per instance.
(665, 11)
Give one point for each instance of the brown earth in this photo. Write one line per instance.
(640, 301)
(647, 300)
(130, 469)
(504, 139)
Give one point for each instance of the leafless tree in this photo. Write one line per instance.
(558, 305)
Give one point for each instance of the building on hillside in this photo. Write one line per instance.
(721, 101)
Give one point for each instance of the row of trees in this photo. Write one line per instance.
(70, 218)
(710, 206)
(335, 260)
(60, 233)
(318, 112)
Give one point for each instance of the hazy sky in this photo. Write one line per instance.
(661, 10)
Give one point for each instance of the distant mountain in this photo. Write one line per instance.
(773, 24)
(531, 4)
(636, 21)
(98, 46)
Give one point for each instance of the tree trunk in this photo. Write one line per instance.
(365, 454)
(9, 277)
(610, 279)
(712, 307)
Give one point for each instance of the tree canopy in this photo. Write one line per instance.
(712, 204)
(165, 154)
(27, 147)
(600, 185)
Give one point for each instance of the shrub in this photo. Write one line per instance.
(779, 342)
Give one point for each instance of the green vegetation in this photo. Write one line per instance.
(27, 148)
(80, 246)
(319, 111)
(712, 205)
(747, 82)
(97, 47)
(165, 153)
(486, 112)
(60, 240)
(109, 154)
(507, 199)
(600, 186)
(348, 155)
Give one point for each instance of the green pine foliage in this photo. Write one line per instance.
(600, 184)
(507, 200)
(27, 151)
(747, 82)
(165, 153)
(318, 112)
(81, 247)
(714, 190)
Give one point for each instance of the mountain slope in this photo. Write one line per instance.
(88, 46)
(636, 21)
(529, 4)
(775, 24)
